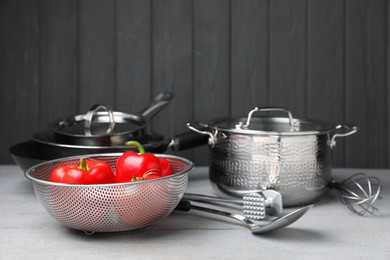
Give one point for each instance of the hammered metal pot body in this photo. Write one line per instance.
(299, 167)
(286, 154)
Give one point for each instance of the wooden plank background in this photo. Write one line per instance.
(322, 59)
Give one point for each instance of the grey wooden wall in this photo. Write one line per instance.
(322, 59)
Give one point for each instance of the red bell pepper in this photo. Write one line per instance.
(133, 166)
(166, 168)
(89, 171)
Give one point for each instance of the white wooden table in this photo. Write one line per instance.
(328, 231)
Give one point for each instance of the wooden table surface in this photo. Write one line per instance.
(328, 231)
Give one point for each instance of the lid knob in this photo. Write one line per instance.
(89, 116)
(294, 124)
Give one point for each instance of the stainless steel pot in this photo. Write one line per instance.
(289, 155)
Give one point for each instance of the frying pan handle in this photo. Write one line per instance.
(187, 140)
(159, 102)
(348, 130)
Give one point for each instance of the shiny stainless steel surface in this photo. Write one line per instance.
(299, 167)
(108, 127)
(291, 156)
(91, 113)
(255, 206)
(257, 227)
(110, 207)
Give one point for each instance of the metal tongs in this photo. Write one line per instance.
(255, 205)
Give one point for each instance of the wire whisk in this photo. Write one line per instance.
(359, 193)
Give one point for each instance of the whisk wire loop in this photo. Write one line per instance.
(359, 192)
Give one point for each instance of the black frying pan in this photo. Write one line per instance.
(43, 147)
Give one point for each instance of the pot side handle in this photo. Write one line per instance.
(348, 130)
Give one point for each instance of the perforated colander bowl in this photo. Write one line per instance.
(109, 207)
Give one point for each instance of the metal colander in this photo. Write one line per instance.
(110, 207)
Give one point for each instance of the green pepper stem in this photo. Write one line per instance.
(136, 144)
(83, 164)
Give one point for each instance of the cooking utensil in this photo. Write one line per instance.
(254, 205)
(52, 150)
(26, 154)
(107, 127)
(43, 147)
(359, 193)
(255, 227)
(45, 144)
(289, 155)
(109, 207)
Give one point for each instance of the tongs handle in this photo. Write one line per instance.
(253, 204)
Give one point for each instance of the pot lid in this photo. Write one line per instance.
(271, 125)
(99, 123)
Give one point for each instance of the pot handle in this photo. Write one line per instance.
(348, 130)
(293, 123)
(89, 116)
(211, 139)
